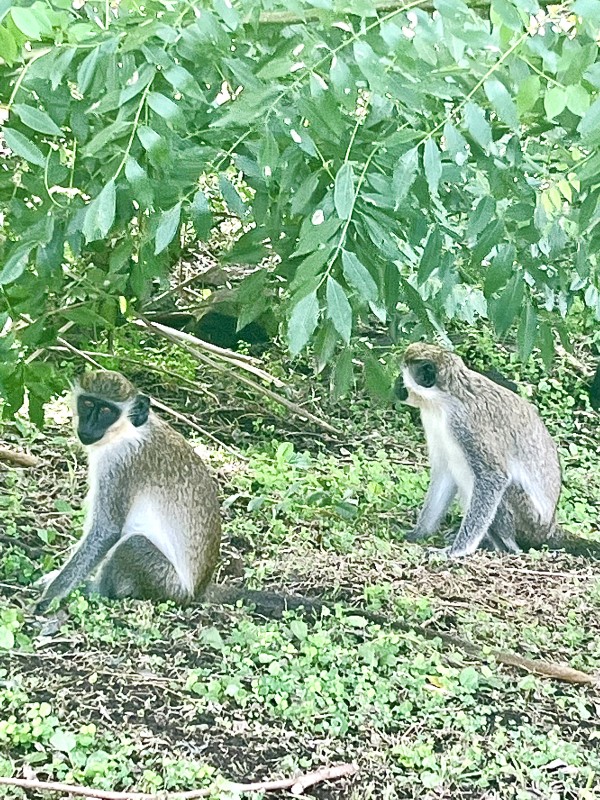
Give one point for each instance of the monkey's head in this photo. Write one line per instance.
(427, 372)
(106, 407)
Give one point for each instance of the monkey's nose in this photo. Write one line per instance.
(400, 391)
(88, 438)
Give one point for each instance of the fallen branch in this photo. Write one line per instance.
(17, 459)
(295, 785)
(236, 359)
(181, 341)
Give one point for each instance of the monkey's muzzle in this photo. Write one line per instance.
(400, 391)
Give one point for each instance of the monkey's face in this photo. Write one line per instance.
(420, 378)
(95, 417)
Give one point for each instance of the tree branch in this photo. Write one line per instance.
(295, 786)
(17, 459)
(182, 339)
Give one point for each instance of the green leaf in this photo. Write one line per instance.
(303, 194)
(167, 228)
(469, 679)
(430, 259)
(29, 21)
(63, 741)
(100, 214)
(343, 193)
(86, 70)
(7, 638)
(201, 216)
(578, 100)
(8, 47)
(358, 276)
(164, 107)
(404, 175)
(527, 333)
(343, 374)
(377, 381)
(589, 127)
(546, 344)
(139, 182)
(503, 104)
(303, 321)
(478, 126)
(555, 101)
(339, 310)
(21, 146)
(37, 120)
(15, 264)
(414, 301)
(528, 94)
(433, 166)
(231, 196)
(105, 135)
(500, 269)
(481, 216)
(506, 308)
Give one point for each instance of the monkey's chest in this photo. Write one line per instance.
(445, 452)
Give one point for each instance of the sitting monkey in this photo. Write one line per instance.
(487, 445)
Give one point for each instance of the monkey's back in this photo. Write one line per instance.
(176, 504)
(514, 439)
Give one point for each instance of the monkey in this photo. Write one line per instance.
(595, 390)
(153, 527)
(487, 445)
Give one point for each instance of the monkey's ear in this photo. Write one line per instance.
(140, 410)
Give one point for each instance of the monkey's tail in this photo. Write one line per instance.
(574, 545)
(267, 604)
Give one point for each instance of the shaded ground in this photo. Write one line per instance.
(160, 692)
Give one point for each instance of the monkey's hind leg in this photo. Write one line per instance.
(137, 568)
(502, 533)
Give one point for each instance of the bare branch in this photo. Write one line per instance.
(17, 459)
(166, 332)
(295, 785)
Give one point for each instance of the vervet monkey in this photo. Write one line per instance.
(487, 445)
(153, 526)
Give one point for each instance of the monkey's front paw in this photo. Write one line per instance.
(438, 553)
(414, 536)
(46, 579)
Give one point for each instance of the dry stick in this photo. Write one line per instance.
(17, 459)
(549, 669)
(295, 785)
(293, 407)
(244, 361)
(155, 402)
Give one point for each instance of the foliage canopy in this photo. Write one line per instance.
(395, 162)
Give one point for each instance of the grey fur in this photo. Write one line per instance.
(510, 480)
(145, 473)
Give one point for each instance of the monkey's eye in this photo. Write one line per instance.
(105, 410)
(88, 404)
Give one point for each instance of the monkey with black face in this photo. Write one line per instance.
(153, 527)
(487, 445)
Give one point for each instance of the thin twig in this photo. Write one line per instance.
(17, 459)
(295, 785)
(293, 407)
(236, 359)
